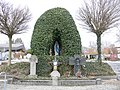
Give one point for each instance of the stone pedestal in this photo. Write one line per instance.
(55, 81)
(33, 61)
(55, 75)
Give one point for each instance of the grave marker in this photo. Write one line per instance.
(33, 61)
(77, 61)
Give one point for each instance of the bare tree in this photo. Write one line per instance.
(118, 35)
(99, 16)
(13, 21)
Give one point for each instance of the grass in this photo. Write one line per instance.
(17, 69)
(94, 69)
(21, 70)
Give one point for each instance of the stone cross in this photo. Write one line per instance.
(77, 61)
(33, 61)
(55, 64)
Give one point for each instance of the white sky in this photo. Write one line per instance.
(38, 7)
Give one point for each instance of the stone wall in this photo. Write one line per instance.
(61, 82)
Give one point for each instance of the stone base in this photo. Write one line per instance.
(74, 82)
(32, 76)
(55, 81)
(55, 74)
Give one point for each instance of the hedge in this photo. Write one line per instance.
(54, 25)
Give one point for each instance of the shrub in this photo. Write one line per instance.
(94, 69)
(29, 51)
(45, 68)
(17, 69)
(54, 25)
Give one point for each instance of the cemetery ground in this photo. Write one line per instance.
(93, 69)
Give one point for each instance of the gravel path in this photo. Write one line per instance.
(107, 85)
(95, 87)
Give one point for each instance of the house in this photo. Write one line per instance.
(17, 50)
(90, 53)
(108, 53)
(118, 52)
(15, 47)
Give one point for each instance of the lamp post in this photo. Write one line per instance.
(5, 84)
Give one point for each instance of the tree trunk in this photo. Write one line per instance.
(99, 49)
(10, 51)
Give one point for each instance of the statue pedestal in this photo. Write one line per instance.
(55, 75)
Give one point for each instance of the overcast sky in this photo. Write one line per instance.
(38, 7)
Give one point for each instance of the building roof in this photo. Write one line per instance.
(15, 47)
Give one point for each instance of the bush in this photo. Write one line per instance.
(46, 67)
(29, 51)
(17, 69)
(95, 69)
(43, 66)
(56, 25)
(91, 68)
(22, 69)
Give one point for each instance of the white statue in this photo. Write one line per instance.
(56, 48)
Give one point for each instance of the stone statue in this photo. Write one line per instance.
(56, 48)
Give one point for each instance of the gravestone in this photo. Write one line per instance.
(77, 61)
(33, 61)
